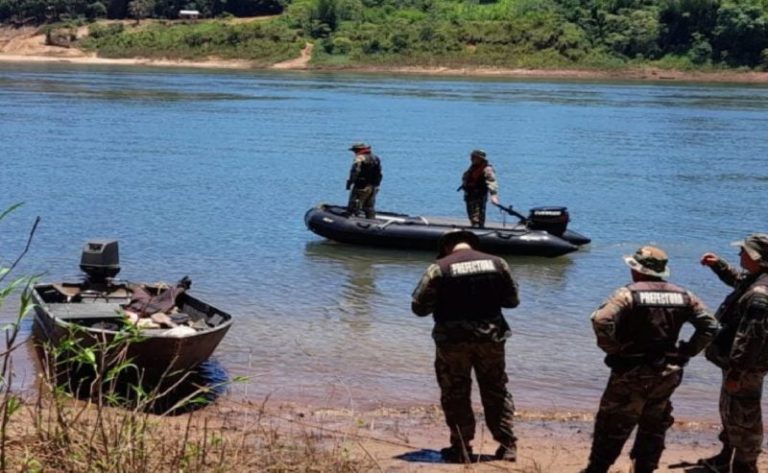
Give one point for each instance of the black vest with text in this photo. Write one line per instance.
(659, 310)
(471, 287)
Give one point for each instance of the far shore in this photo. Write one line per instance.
(28, 45)
(646, 74)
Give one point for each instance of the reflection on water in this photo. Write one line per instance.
(209, 174)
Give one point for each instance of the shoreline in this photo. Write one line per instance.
(408, 439)
(76, 57)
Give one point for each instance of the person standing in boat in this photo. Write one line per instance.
(638, 328)
(364, 180)
(740, 350)
(477, 182)
(465, 290)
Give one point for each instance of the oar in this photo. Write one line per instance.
(511, 211)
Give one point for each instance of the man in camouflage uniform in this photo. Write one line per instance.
(741, 351)
(364, 180)
(477, 182)
(638, 328)
(465, 291)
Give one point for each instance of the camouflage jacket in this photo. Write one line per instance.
(742, 343)
(620, 305)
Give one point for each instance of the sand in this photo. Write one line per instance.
(409, 439)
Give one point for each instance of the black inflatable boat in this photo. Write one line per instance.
(543, 232)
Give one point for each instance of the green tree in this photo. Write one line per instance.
(686, 23)
(96, 10)
(141, 9)
(741, 33)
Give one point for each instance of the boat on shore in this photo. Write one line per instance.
(168, 331)
(543, 233)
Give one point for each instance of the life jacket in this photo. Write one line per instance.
(370, 171)
(473, 180)
(471, 287)
(651, 329)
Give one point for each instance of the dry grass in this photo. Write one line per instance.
(78, 436)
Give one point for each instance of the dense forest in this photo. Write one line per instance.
(507, 33)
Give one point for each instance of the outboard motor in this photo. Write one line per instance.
(552, 220)
(100, 260)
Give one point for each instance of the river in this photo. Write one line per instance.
(209, 174)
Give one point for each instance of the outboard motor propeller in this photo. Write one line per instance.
(553, 220)
(100, 260)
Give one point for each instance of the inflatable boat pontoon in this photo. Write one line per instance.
(543, 233)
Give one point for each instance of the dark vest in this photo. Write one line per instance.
(659, 310)
(370, 171)
(728, 316)
(471, 287)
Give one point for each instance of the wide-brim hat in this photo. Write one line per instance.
(450, 239)
(756, 246)
(649, 260)
(359, 146)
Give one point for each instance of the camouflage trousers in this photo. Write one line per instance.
(453, 365)
(638, 397)
(742, 417)
(476, 209)
(362, 199)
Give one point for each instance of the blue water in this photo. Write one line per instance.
(208, 174)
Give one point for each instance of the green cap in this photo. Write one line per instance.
(756, 246)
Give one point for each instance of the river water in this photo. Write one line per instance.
(208, 174)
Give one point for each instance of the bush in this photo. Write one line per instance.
(341, 45)
(102, 31)
(701, 50)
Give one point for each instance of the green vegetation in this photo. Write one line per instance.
(260, 42)
(684, 34)
(540, 33)
(45, 11)
(680, 34)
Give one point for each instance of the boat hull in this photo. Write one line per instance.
(391, 230)
(156, 354)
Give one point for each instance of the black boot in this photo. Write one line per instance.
(595, 468)
(457, 454)
(507, 453)
(744, 467)
(720, 463)
(642, 467)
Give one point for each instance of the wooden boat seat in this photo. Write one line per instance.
(91, 310)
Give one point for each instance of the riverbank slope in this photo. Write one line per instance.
(28, 45)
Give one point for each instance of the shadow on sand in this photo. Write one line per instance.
(688, 467)
(434, 456)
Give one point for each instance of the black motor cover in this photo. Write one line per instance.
(100, 259)
(553, 220)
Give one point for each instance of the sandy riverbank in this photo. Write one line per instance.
(27, 45)
(408, 439)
